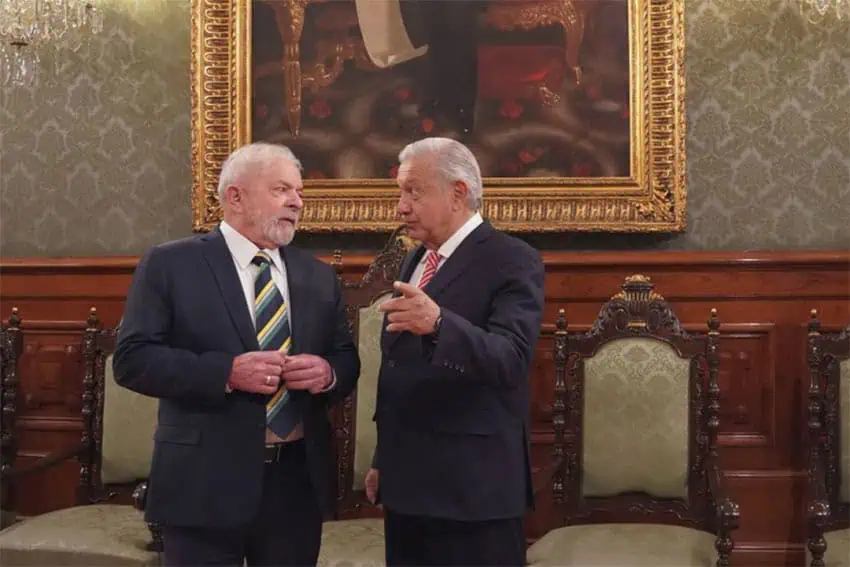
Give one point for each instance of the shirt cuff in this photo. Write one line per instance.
(333, 382)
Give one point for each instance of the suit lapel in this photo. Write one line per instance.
(221, 263)
(300, 307)
(410, 263)
(460, 260)
(406, 271)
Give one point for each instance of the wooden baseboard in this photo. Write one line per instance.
(755, 554)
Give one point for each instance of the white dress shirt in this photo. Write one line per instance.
(448, 247)
(243, 252)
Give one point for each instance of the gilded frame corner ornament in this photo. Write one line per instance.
(652, 199)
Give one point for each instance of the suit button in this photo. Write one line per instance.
(391, 363)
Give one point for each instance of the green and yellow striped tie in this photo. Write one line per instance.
(273, 333)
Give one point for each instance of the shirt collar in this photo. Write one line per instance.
(243, 250)
(450, 245)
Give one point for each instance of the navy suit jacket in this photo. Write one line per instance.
(452, 414)
(186, 319)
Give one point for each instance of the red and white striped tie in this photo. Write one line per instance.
(431, 263)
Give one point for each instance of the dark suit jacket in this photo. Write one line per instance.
(452, 415)
(186, 319)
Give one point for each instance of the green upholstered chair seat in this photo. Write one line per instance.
(624, 545)
(96, 535)
(837, 549)
(353, 543)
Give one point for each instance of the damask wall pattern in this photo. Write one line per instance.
(95, 159)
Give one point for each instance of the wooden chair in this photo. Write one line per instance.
(356, 536)
(636, 416)
(828, 499)
(114, 454)
(11, 344)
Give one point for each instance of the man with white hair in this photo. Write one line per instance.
(244, 340)
(452, 465)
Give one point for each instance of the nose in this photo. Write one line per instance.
(296, 201)
(403, 207)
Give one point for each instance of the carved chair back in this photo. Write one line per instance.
(636, 415)
(118, 426)
(829, 428)
(355, 437)
(11, 345)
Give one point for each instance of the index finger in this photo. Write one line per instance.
(406, 289)
(396, 304)
(393, 304)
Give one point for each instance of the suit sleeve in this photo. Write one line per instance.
(145, 362)
(501, 351)
(343, 356)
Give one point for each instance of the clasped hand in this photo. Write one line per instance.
(413, 311)
(261, 372)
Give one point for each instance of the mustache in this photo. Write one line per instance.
(283, 218)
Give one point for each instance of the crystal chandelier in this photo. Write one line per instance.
(816, 10)
(27, 27)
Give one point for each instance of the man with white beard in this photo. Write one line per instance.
(244, 340)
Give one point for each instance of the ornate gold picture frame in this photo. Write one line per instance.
(635, 183)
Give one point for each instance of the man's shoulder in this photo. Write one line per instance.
(180, 245)
(176, 249)
(307, 259)
(511, 247)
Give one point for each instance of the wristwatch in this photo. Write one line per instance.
(437, 324)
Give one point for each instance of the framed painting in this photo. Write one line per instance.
(574, 108)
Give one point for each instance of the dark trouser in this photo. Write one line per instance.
(286, 531)
(415, 541)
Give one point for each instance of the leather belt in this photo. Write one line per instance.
(274, 452)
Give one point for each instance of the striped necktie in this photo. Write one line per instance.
(431, 264)
(273, 333)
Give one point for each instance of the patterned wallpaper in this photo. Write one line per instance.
(95, 160)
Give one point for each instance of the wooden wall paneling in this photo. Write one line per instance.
(773, 531)
(763, 301)
(48, 418)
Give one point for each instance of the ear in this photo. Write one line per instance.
(233, 197)
(460, 191)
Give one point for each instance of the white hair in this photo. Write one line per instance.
(248, 160)
(451, 160)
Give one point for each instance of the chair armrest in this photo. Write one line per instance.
(542, 479)
(140, 500)
(46, 462)
(140, 496)
(727, 510)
